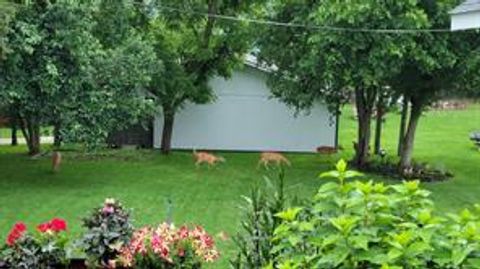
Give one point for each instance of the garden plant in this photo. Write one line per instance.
(109, 242)
(42, 249)
(108, 230)
(362, 224)
(166, 247)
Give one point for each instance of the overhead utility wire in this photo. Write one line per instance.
(305, 26)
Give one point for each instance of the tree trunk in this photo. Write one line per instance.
(168, 120)
(13, 127)
(31, 132)
(378, 126)
(57, 137)
(409, 138)
(403, 125)
(337, 128)
(364, 115)
(34, 147)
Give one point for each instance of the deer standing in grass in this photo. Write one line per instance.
(56, 161)
(267, 158)
(205, 157)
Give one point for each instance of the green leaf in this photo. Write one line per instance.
(305, 226)
(359, 241)
(332, 174)
(344, 223)
(289, 214)
(352, 174)
(341, 166)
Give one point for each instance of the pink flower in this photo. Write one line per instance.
(158, 243)
(211, 256)
(107, 209)
(183, 232)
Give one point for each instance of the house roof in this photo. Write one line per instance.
(466, 7)
(252, 61)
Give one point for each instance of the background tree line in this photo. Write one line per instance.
(92, 66)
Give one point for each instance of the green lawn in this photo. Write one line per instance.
(144, 180)
(6, 132)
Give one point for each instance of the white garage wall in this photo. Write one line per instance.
(245, 118)
(468, 20)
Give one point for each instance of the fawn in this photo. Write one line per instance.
(56, 161)
(272, 157)
(205, 157)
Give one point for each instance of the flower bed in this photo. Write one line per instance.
(110, 241)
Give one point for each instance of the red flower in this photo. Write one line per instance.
(20, 226)
(17, 231)
(43, 227)
(58, 225)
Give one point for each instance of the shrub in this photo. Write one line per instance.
(43, 249)
(370, 225)
(259, 222)
(420, 171)
(108, 230)
(168, 247)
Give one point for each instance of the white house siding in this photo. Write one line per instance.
(245, 118)
(466, 20)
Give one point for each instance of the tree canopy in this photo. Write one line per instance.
(194, 47)
(58, 71)
(330, 65)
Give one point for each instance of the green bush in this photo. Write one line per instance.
(370, 225)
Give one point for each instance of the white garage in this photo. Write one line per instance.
(245, 117)
(466, 15)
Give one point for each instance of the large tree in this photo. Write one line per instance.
(439, 63)
(48, 48)
(58, 72)
(315, 63)
(195, 46)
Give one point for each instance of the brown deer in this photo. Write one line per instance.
(205, 157)
(56, 161)
(266, 158)
(327, 150)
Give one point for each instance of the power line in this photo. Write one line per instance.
(304, 26)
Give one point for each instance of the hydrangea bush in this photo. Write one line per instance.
(371, 225)
(168, 247)
(42, 249)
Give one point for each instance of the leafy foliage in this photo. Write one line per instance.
(438, 64)
(371, 225)
(331, 66)
(45, 66)
(108, 230)
(117, 98)
(59, 72)
(254, 243)
(194, 48)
